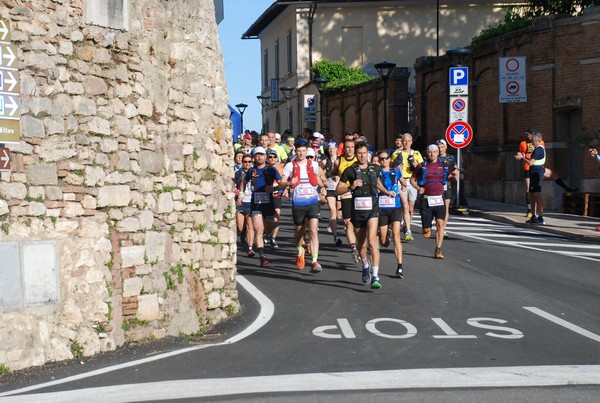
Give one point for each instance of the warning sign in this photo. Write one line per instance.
(512, 79)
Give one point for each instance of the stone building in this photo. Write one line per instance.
(117, 216)
(562, 65)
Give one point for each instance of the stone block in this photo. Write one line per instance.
(132, 287)
(151, 162)
(214, 300)
(156, 246)
(42, 174)
(32, 127)
(165, 203)
(132, 255)
(84, 106)
(129, 224)
(146, 219)
(148, 308)
(114, 195)
(10, 275)
(13, 190)
(94, 85)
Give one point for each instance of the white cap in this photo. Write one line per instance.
(278, 136)
(318, 135)
(259, 150)
(310, 152)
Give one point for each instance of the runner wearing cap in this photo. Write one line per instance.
(243, 195)
(262, 208)
(304, 176)
(328, 164)
(246, 145)
(273, 229)
(453, 171)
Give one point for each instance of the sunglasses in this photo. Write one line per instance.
(247, 161)
(271, 156)
(387, 157)
(311, 157)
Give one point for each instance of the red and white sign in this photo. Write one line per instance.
(4, 159)
(459, 134)
(459, 109)
(512, 79)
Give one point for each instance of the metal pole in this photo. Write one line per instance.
(385, 122)
(458, 179)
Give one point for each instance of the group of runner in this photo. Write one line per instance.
(373, 192)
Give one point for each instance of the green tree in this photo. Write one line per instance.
(518, 17)
(341, 76)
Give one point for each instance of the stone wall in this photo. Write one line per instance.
(563, 62)
(123, 172)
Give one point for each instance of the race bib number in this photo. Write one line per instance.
(247, 195)
(387, 201)
(305, 190)
(433, 201)
(363, 203)
(262, 197)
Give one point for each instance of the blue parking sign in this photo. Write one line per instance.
(459, 80)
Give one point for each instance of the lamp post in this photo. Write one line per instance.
(384, 69)
(264, 101)
(320, 83)
(458, 57)
(241, 109)
(286, 93)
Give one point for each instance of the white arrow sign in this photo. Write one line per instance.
(4, 31)
(8, 56)
(4, 158)
(9, 81)
(9, 106)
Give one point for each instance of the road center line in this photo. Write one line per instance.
(429, 378)
(563, 323)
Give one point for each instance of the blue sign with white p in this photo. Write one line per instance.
(459, 76)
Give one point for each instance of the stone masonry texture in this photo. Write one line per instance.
(124, 162)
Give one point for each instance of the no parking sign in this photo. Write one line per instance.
(459, 134)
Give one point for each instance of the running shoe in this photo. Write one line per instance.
(263, 262)
(366, 274)
(274, 243)
(531, 220)
(316, 267)
(529, 214)
(300, 260)
(338, 241)
(399, 272)
(446, 236)
(438, 254)
(355, 255)
(540, 220)
(386, 243)
(408, 236)
(427, 232)
(375, 284)
(251, 252)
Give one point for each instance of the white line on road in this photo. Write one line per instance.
(267, 310)
(563, 323)
(432, 378)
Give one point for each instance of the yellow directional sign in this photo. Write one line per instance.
(4, 31)
(8, 56)
(10, 81)
(10, 131)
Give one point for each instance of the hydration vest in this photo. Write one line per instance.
(267, 173)
(422, 179)
(371, 190)
(392, 178)
(312, 177)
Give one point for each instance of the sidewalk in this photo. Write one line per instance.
(567, 225)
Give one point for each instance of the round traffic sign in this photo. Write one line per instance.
(459, 134)
(459, 105)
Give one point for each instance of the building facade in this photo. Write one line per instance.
(361, 33)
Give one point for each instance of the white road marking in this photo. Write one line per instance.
(267, 310)
(563, 323)
(429, 378)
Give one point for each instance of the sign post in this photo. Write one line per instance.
(10, 103)
(459, 133)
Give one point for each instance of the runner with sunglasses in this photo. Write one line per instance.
(243, 197)
(390, 214)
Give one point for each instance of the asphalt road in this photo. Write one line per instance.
(510, 314)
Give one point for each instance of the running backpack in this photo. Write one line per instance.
(312, 177)
(422, 180)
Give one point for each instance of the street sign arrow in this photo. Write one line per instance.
(8, 56)
(4, 159)
(9, 81)
(9, 106)
(4, 31)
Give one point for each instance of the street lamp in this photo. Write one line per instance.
(264, 101)
(241, 109)
(458, 57)
(320, 83)
(385, 70)
(286, 93)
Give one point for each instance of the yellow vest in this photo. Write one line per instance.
(345, 163)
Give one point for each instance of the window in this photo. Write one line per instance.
(266, 68)
(277, 58)
(109, 13)
(288, 39)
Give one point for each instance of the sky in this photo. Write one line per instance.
(242, 57)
